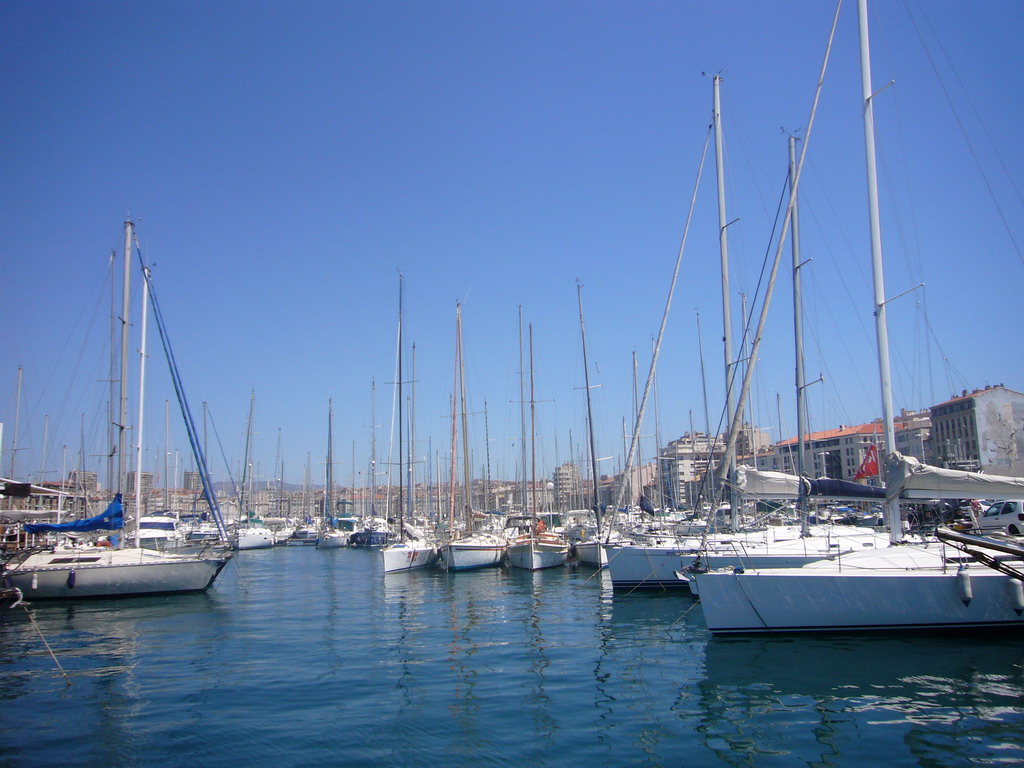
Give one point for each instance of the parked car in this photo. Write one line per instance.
(1006, 516)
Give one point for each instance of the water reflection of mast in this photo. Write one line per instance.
(408, 593)
(604, 701)
(470, 602)
(546, 726)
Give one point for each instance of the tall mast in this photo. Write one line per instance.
(881, 328)
(533, 434)
(466, 474)
(798, 336)
(373, 445)
(80, 484)
(206, 413)
(279, 468)
(42, 453)
(17, 420)
(329, 487)
(245, 501)
(167, 452)
(487, 454)
(142, 392)
(758, 334)
(690, 501)
(123, 394)
(744, 340)
(709, 473)
(723, 247)
(452, 502)
(112, 418)
(522, 411)
(590, 413)
(637, 489)
(432, 513)
(411, 451)
(305, 485)
(451, 468)
(111, 380)
(658, 463)
(401, 500)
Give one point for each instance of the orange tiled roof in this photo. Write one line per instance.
(842, 431)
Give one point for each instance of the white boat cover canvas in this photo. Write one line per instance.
(910, 479)
(766, 484)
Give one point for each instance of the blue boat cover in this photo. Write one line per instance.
(111, 519)
(843, 489)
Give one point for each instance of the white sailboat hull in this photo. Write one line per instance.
(408, 557)
(255, 538)
(471, 553)
(591, 553)
(303, 537)
(793, 600)
(101, 572)
(333, 540)
(537, 554)
(656, 566)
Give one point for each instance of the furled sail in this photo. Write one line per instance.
(910, 479)
(830, 488)
(768, 484)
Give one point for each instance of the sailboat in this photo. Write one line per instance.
(329, 536)
(74, 571)
(654, 559)
(407, 553)
(907, 585)
(535, 548)
(251, 534)
(374, 531)
(466, 549)
(589, 549)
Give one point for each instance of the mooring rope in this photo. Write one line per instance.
(39, 632)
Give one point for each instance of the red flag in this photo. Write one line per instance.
(868, 467)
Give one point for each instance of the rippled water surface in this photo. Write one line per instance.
(304, 657)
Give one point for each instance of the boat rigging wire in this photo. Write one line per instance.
(967, 140)
(737, 417)
(627, 469)
(190, 427)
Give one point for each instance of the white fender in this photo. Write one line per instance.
(963, 581)
(1017, 595)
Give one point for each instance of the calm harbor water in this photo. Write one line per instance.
(300, 657)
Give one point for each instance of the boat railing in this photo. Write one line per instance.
(18, 557)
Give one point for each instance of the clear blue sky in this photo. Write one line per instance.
(285, 161)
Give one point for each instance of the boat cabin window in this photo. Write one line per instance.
(157, 525)
(63, 560)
